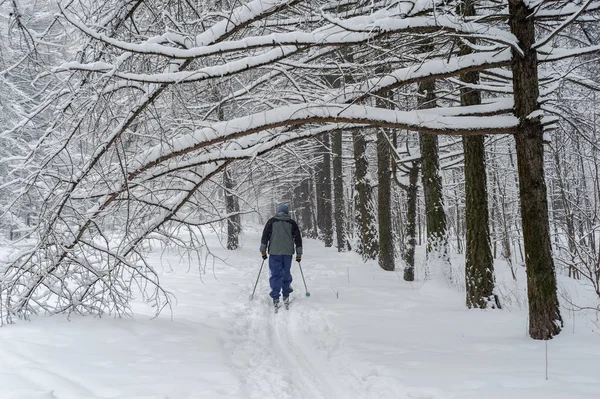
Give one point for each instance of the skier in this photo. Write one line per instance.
(279, 236)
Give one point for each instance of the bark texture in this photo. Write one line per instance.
(411, 223)
(233, 206)
(324, 208)
(479, 267)
(367, 245)
(384, 196)
(437, 241)
(338, 191)
(545, 320)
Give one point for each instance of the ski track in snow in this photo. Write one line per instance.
(298, 354)
(300, 357)
(290, 365)
(249, 351)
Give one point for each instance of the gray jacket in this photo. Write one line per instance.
(280, 235)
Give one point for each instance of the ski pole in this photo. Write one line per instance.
(302, 273)
(257, 277)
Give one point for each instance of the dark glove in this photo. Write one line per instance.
(264, 255)
(298, 258)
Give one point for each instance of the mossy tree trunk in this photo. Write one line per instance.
(479, 267)
(411, 222)
(338, 191)
(437, 240)
(368, 245)
(545, 320)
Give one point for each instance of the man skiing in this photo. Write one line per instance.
(279, 236)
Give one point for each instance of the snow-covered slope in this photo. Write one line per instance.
(363, 333)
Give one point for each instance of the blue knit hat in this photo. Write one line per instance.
(283, 208)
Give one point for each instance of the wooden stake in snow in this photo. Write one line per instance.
(546, 360)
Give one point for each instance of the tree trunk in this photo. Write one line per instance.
(232, 205)
(311, 201)
(437, 241)
(324, 211)
(384, 196)
(411, 223)
(231, 202)
(479, 267)
(304, 208)
(338, 191)
(368, 245)
(545, 320)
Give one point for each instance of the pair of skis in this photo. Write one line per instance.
(286, 305)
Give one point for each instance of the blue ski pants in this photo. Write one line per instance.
(281, 276)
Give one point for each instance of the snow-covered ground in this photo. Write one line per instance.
(363, 333)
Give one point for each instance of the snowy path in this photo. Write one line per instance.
(293, 354)
(287, 363)
(301, 355)
(362, 334)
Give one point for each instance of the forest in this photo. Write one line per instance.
(465, 126)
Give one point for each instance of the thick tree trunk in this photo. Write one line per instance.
(384, 195)
(368, 245)
(232, 205)
(479, 267)
(338, 191)
(544, 314)
(437, 241)
(324, 211)
(411, 223)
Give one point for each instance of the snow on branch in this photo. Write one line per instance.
(426, 121)
(253, 144)
(198, 75)
(563, 25)
(352, 31)
(567, 9)
(428, 69)
(551, 54)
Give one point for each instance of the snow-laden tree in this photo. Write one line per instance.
(136, 142)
